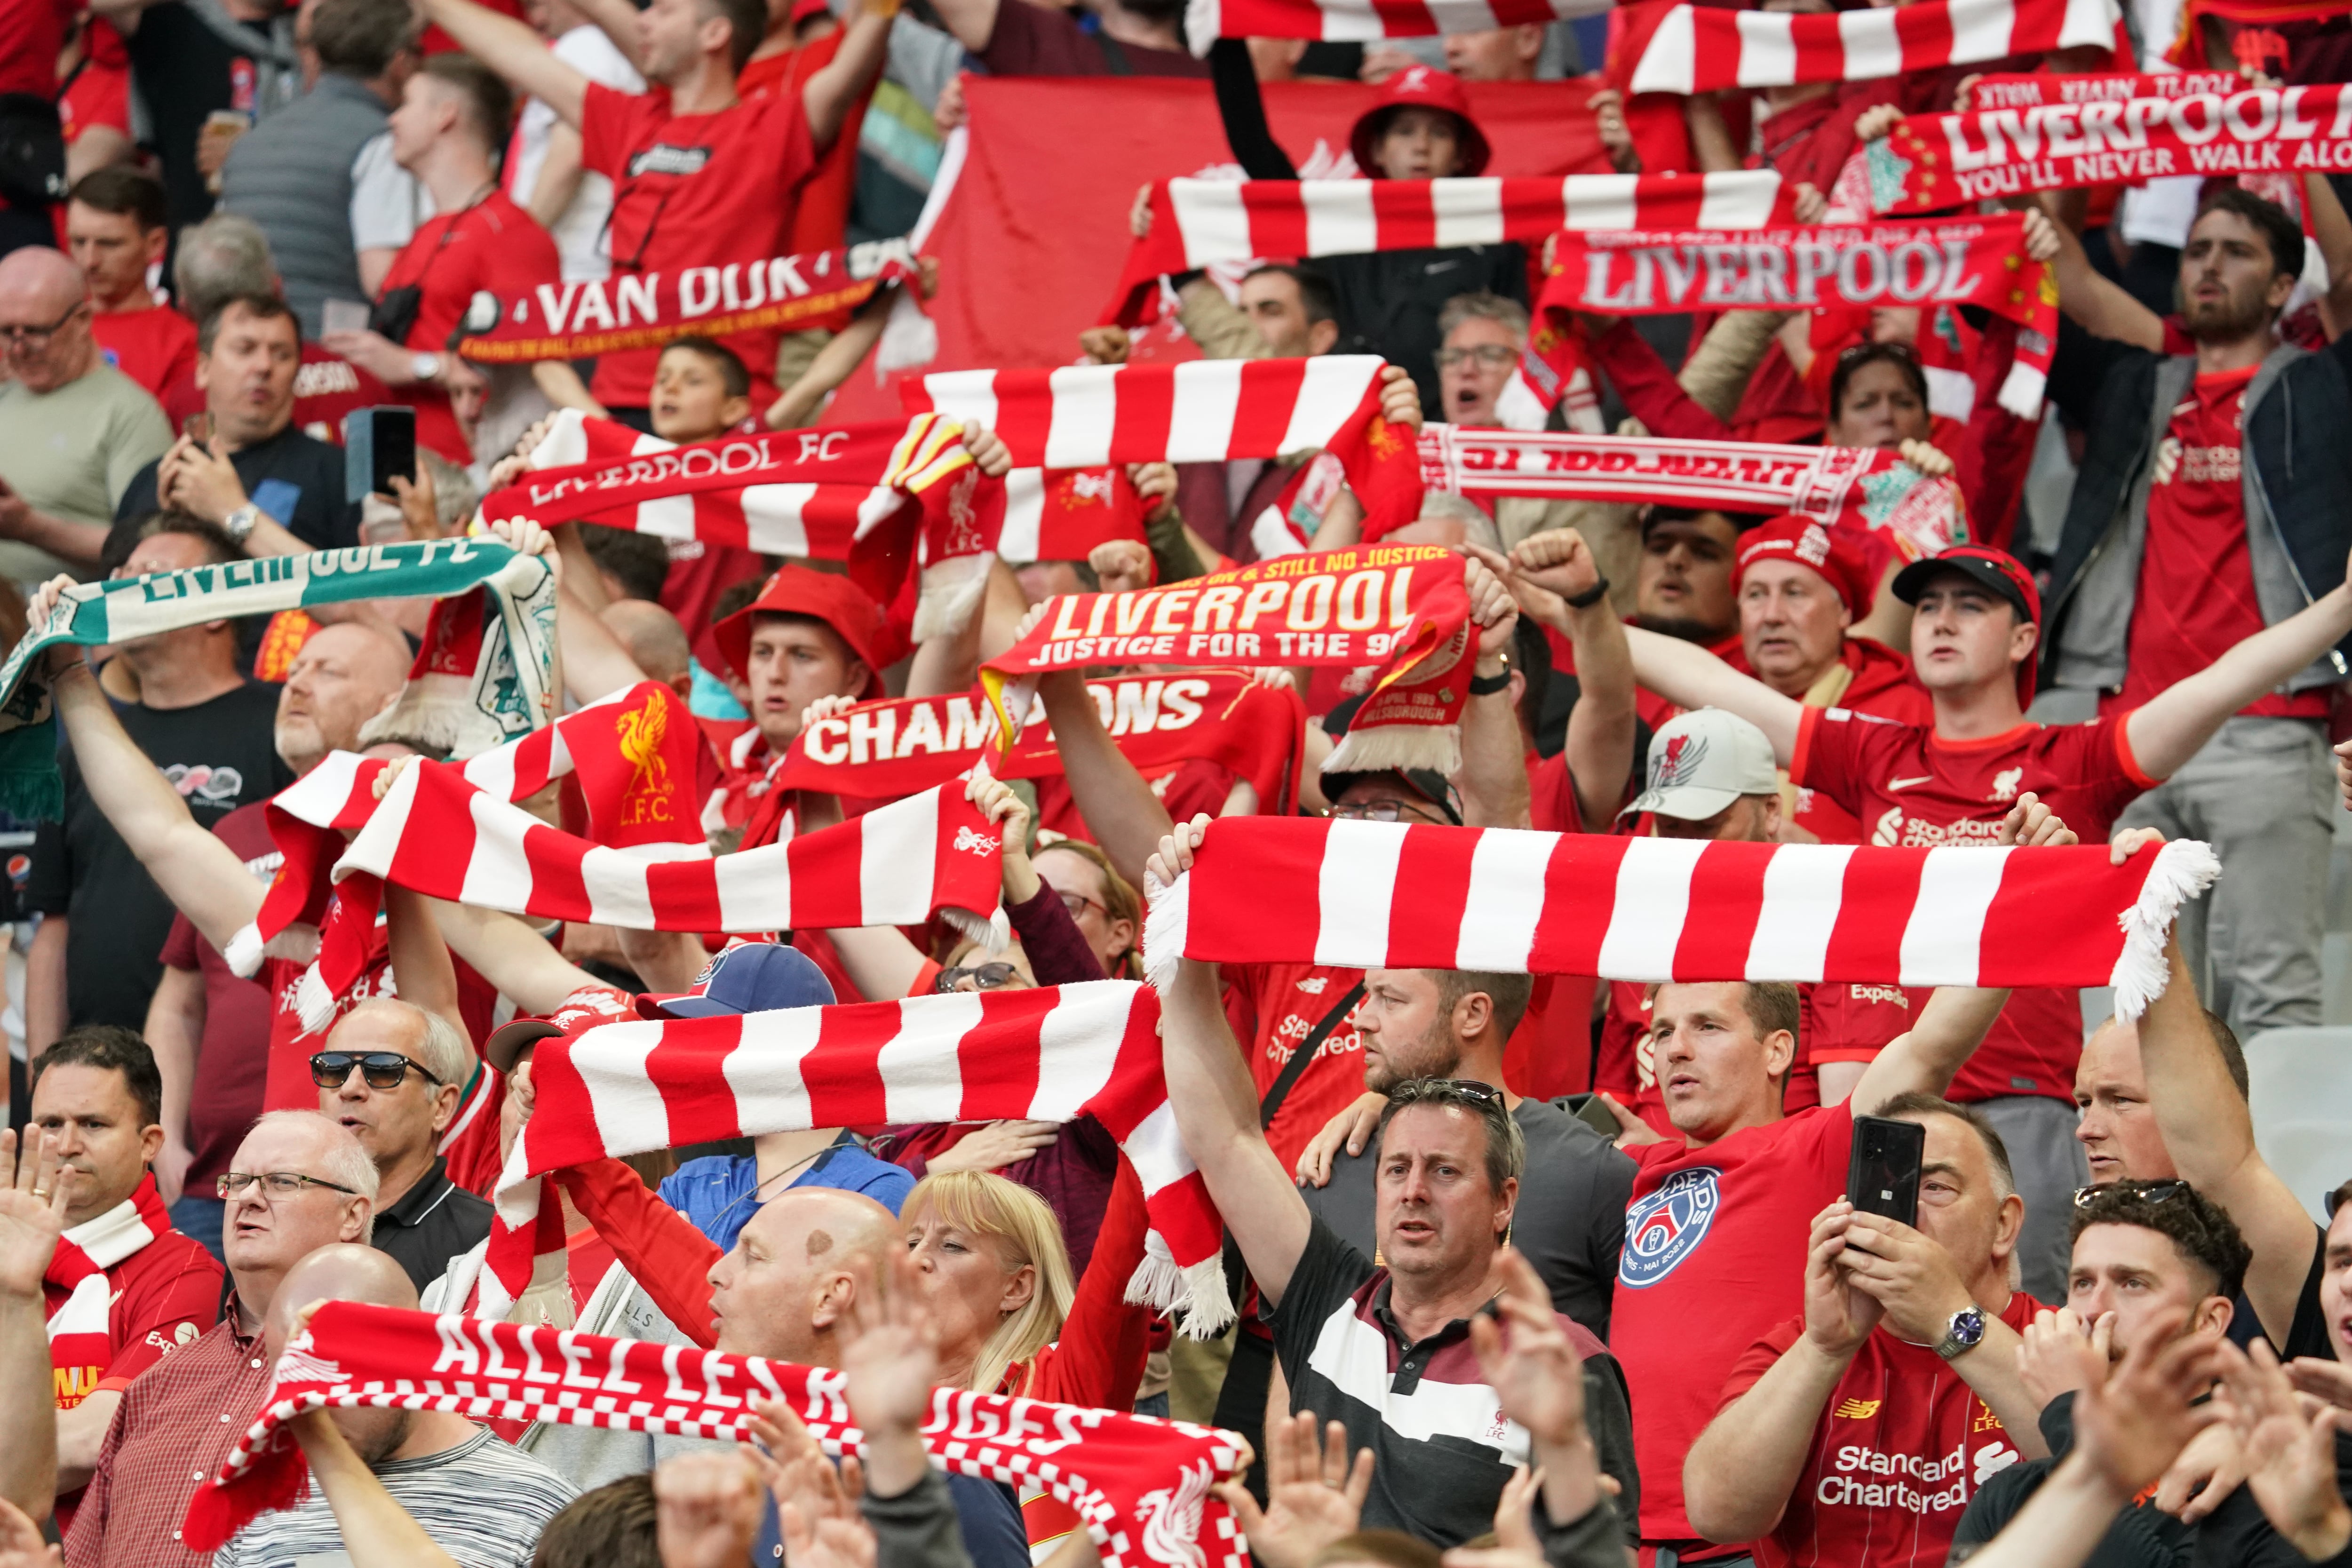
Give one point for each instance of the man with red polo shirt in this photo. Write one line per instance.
(1974, 632)
(115, 231)
(1856, 1432)
(700, 177)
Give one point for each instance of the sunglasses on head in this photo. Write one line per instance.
(381, 1069)
(2159, 1191)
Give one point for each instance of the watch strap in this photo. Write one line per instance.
(1590, 597)
(1487, 685)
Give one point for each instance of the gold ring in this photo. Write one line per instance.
(40, 1192)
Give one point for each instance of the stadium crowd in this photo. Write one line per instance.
(535, 935)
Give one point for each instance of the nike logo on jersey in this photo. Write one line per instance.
(1907, 783)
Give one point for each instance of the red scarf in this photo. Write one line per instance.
(1664, 47)
(78, 1334)
(1950, 261)
(1142, 1485)
(2022, 92)
(1933, 161)
(890, 749)
(581, 320)
(1401, 607)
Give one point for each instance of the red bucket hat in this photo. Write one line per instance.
(839, 603)
(1420, 87)
(1808, 541)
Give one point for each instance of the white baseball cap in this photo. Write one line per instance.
(1701, 762)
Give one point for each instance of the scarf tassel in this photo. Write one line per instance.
(1167, 924)
(951, 592)
(2183, 870)
(1199, 1292)
(1384, 748)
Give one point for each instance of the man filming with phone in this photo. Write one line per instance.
(1856, 1432)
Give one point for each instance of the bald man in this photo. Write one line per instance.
(434, 1467)
(78, 429)
(344, 676)
(655, 640)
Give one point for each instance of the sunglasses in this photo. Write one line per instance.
(983, 977)
(381, 1069)
(2160, 1192)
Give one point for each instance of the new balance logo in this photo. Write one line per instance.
(1857, 1409)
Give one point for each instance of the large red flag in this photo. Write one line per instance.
(1033, 235)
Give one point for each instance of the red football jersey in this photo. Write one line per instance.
(1913, 789)
(1275, 1006)
(1901, 1447)
(156, 348)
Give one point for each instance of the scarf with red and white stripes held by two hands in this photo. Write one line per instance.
(1140, 1484)
(1373, 895)
(1047, 1054)
(1678, 47)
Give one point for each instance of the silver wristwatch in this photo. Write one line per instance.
(425, 366)
(238, 524)
(1962, 1334)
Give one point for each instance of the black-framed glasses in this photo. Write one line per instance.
(983, 977)
(39, 337)
(383, 1069)
(2155, 1192)
(275, 1184)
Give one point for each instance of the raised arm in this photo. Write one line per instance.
(1216, 1106)
(1126, 817)
(2096, 303)
(971, 23)
(377, 1531)
(1493, 774)
(517, 53)
(421, 964)
(1686, 674)
(511, 956)
(1547, 570)
(2209, 1131)
(2170, 728)
(849, 76)
(1924, 1059)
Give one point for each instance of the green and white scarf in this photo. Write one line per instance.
(513, 657)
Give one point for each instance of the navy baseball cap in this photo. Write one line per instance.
(749, 977)
(1996, 569)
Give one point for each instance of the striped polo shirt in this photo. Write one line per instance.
(1442, 1447)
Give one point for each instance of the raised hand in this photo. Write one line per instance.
(1876, 121)
(1174, 856)
(1525, 1356)
(1492, 609)
(1557, 560)
(2131, 1426)
(1400, 399)
(20, 1540)
(1838, 1316)
(708, 1510)
(1121, 565)
(1929, 459)
(1314, 1495)
(32, 1211)
(2290, 1455)
(1630, 1128)
(989, 452)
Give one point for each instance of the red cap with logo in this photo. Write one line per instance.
(1420, 87)
(836, 600)
(589, 1007)
(1808, 541)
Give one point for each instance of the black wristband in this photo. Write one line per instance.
(1487, 685)
(1590, 597)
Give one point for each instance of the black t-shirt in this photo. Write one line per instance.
(220, 755)
(185, 70)
(298, 479)
(1390, 299)
(1570, 1219)
(2307, 1336)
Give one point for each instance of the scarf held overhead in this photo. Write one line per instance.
(1370, 895)
(1684, 49)
(91, 613)
(1944, 261)
(1140, 1484)
(581, 320)
(1049, 1054)
(1361, 21)
(1859, 488)
(1934, 160)
(1198, 223)
(2021, 91)
(1399, 607)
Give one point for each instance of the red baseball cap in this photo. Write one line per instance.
(1420, 87)
(805, 10)
(836, 600)
(589, 1007)
(1998, 570)
(1808, 540)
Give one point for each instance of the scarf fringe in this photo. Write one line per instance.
(1199, 1294)
(910, 338)
(992, 932)
(1167, 924)
(1386, 747)
(314, 999)
(951, 592)
(2183, 870)
(298, 943)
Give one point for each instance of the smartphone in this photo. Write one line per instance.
(343, 316)
(1882, 1173)
(1593, 1112)
(377, 444)
(198, 427)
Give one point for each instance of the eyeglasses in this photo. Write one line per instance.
(1383, 811)
(383, 1069)
(1486, 356)
(275, 1184)
(983, 977)
(2159, 1191)
(1078, 904)
(39, 337)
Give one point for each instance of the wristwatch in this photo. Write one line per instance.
(1964, 1333)
(1487, 685)
(425, 366)
(238, 524)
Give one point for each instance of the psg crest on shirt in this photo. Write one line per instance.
(1666, 1227)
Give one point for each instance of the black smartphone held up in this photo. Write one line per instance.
(377, 444)
(1882, 1175)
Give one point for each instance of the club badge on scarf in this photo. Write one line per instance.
(1934, 160)
(1862, 488)
(885, 749)
(581, 320)
(1140, 1484)
(1376, 895)
(1032, 514)
(1664, 47)
(1944, 261)
(90, 614)
(1399, 607)
(1198, 223)
(1046, 1054)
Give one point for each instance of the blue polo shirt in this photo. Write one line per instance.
(719, 1193)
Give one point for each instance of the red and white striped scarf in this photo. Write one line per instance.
(1197, 223)
(1373, 895)
(1140, 1484)
(1664, 47)
(78, 1334)
(1209, 411)
(1862, 487)
(1361, 21)
(1401, 607)
(1049, 1054)
(2022, 90)
(1031, 514)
